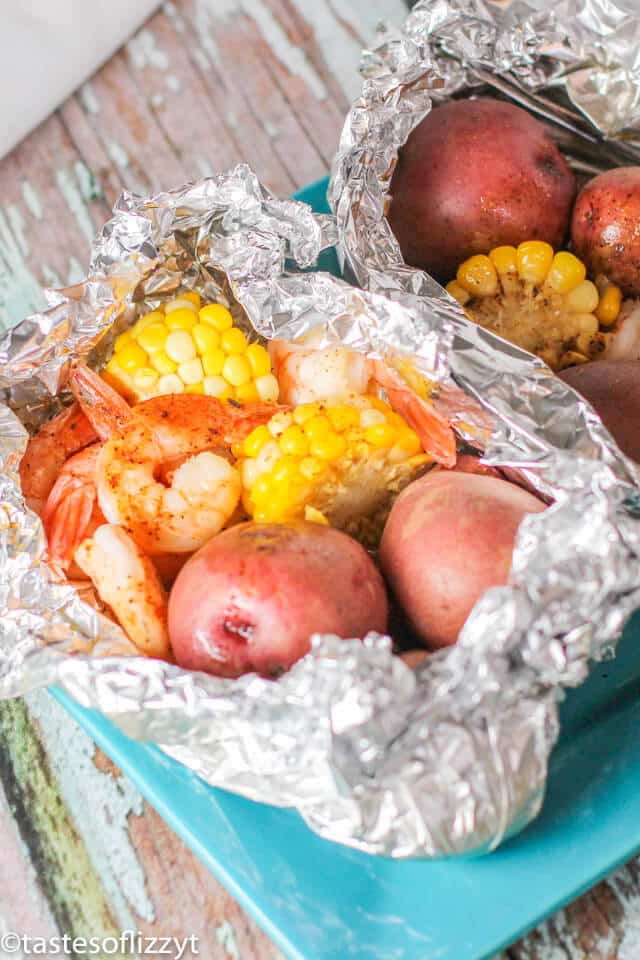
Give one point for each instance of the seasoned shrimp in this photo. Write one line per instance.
(127, 581)
(200, 492)
(307, 374)
(71, 512)
(47, 451)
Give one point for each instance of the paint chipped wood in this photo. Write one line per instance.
(203, 85)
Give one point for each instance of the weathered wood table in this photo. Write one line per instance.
(204, 84)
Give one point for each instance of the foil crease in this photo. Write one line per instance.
(449, 759)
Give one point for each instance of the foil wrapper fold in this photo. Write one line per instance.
(449, 759)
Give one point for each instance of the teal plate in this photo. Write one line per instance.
(321, 901)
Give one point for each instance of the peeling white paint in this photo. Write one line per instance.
(89, 98)
(75, 201)
(51, 277)
(201, 59)
(76, 274)
(271, 129)
(629, 948)
(90, 186)
(100, 805)
(118, 154)
(20, 293)
(226, 937)
(32, 200)
(156, 100)
(172, 12)
(205, 166)
(173, 83)
(145, 52)
(17, 225)
(290, 55)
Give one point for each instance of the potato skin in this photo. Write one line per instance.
(612, 387)
(473, 175)
(250, 599)
(448, 538)
(605, 227)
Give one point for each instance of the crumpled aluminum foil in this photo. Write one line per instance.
(449, 759)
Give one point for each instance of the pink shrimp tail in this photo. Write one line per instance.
(435, 432)
(106, 410)
(70, 507)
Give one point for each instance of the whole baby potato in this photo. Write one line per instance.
(605, 227)
(473, 175)
(251, 598)
(612, 387)
(448, 538)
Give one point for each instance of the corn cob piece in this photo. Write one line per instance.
(540, 300)
(188, 348)
(340, 464)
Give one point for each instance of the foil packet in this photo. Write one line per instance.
(449, 759)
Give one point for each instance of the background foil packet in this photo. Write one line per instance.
(449, 759)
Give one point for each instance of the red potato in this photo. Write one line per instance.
(605, 227)
(612, 387)
(250, 599)
(473, 175)
(448, 538)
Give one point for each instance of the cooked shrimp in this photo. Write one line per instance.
(47, 451)
(127, 581)
(71, 512)
(202, 488)
(307, 374)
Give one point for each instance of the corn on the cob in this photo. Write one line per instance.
(539, 300)
(340, 464)
(185, 347)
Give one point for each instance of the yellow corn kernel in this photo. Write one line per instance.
(247, 393)
(213, 362)
(262, 490)
(534, 260)
(193, 296)
(170, 383)
(153, 337)
(233, 341)
(268, 456)
(217, 387)
(122, 341)
(256, 440)
(279, 422)
(328, 446)
(305, 411)
(316, 427)
(181, 319)
(478, 276)
(458, 293)
(237, 369)
(180, 346)
(311, 468)
(145, 379)
(163, 363)
(566, 273)
(409, 441)
(343, 416)
(216, 316)
(293, 442)
(504, 259)
(285, 470)
(371, 417)
(180, 303)
(380, 435)
(259, 359)
(312, 515)
(154, 316)
(191, 371)
(584, 299)
(248, 472)
(609, 306)
(268, 388)
(131, 357)
(194, 388)
(205, 338)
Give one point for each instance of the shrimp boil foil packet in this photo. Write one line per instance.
(446, 760)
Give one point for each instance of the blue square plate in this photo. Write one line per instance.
(320, 901)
